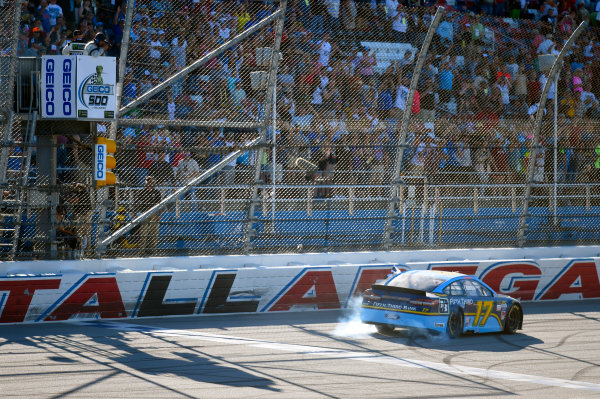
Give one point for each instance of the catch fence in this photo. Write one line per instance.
(305, 139)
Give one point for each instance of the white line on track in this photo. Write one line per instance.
(350, 355)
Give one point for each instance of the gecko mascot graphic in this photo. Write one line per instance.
(93, 92)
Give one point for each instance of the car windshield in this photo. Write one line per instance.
(420, 280)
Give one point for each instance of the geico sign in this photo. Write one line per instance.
(66, 81)
(100, 161)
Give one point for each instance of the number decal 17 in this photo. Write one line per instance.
(484, 307)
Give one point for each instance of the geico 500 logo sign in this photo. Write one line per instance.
(58, 79)
(93, 92)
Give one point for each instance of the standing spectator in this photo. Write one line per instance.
(54, 10)
(187, 170)
(445, 84)
(348, 13)
(487, 6)
(520, 84)
(324, 49)
(85, 10)
(161, 170)
(428, 102)
(178, 50)
(463, 158)
(147, 234)
(365, 66)
(499, 161)
(482, 159)
(385, 99)
(228, 171)
(433, 157)
(500, 8)
(399, 24)
(534, 88)
(500, 94)
(238, 96)
(83, 213)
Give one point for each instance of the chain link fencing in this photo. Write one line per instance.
(336, 169)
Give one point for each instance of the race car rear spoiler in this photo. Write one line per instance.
(397, 289)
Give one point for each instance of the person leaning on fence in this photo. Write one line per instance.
(145, 199)
(97, 47)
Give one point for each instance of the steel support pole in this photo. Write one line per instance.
(101, 248)
(269, 98)
(102, 194)
(199, 62)
(396, 181)
(122, 64)
(539, 117)
(7, 107)
(193, 122)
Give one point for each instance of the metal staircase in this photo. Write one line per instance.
(15, 175)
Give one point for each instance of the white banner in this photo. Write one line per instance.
(58, 87)
(96, 84)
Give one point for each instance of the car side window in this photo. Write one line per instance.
(470, 288)
(455, 289)
(483, 291)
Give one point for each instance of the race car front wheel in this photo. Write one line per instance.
(385, 329)
(455, 323)
(513, 320)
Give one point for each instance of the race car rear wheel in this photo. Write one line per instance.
(513, 320)
(454, 327)
(385, 329)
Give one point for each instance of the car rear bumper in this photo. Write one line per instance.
(403, 319)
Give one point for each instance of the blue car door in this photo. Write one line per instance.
(484, 311)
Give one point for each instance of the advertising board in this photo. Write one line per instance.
(100, 162)
(78, 87)
(58, 87)
(96, 82)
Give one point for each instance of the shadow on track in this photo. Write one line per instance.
(114, 350)
(469, 342)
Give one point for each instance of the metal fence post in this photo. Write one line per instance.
(267, 113)
(539, 117)
(395, 183)
(6, 106)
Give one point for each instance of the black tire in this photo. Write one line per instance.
(454, 327)
(513, 319)
(385, 329)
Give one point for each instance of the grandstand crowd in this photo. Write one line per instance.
(473, 110)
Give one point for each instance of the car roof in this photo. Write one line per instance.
(438, 276)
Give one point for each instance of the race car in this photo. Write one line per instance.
(440, 301)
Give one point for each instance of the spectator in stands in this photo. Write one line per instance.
(98, 46)
(161, 170)
(53, 10)
(500, 94)
(65, 233)
(147, 234)
(36, 43)
(83, 213)
(445, 85)
(187, 169)
(399, 22)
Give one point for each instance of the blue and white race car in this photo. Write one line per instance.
(439, 301)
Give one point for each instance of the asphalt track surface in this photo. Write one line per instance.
(301, 355)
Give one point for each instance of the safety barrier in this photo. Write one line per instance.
(213, 285)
